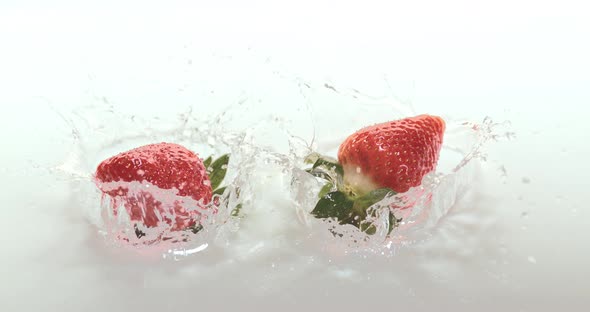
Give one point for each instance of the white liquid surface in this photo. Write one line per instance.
(506, 232)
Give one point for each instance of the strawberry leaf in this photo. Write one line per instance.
(219, 191)
(345, 205)
(352, 211)
(393, 222)
(328, 164)
(327, 188)
(361, 204)
(139, 233)
(367, 227)
(236, 211)
(311, 158)
(334, 205)
(328, 170)
(320, 173)
(207, 162)
(217, 171)
(195, 228)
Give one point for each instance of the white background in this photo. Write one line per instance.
(523, 61)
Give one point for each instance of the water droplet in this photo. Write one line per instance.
(532, 260)
(526, 180)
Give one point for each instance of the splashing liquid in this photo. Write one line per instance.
(185, 226)
(420, 208)
(266, 170)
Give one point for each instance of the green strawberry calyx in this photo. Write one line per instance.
(216, 170)
(341, 201)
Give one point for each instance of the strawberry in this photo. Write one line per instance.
(394, 154)
(375, 162)
(157, 182)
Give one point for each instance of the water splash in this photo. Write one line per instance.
(420, 208)
(112, 216)
(266, 171)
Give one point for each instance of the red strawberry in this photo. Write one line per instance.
(374, 162)
(395, 154)
(164, 165)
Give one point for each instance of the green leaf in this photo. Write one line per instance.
(393, 222)
(368, 227)
(207, 162)
(319, 173)
(362, 203)
(324, 167)
(327, 188)
(217, 171)
(236, 211)
(311, 158)
(195, 228)
(139, 233)
(219, 191)
(334, 205)
(329, 164)
(352, 211)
